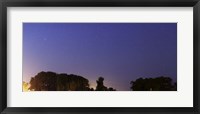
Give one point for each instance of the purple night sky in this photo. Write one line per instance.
(119, 52)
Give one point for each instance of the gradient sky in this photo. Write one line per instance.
(119, 52)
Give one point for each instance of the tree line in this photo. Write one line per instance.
(153, 84)
(51, 81)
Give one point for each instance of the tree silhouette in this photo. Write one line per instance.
(101, 87)
(153, 84)
(111, 89)
(50, 81)
(91, 89)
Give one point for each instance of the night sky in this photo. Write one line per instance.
(119, 52)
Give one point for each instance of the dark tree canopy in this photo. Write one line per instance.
(153, 84)
(101, 87)
(50, 81)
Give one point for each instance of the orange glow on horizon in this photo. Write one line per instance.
(26, 86)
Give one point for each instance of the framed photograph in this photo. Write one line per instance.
(102, 56)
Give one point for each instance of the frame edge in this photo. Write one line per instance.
(3, 60)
